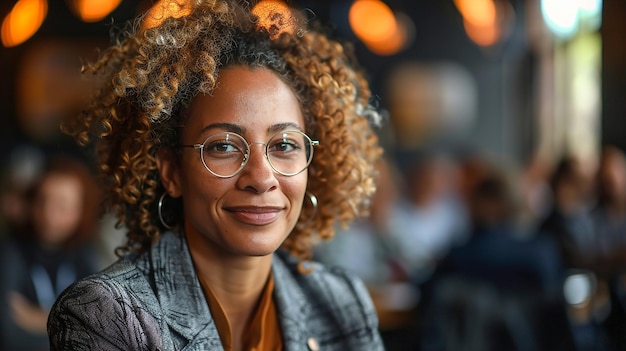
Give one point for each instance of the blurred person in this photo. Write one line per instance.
(491, 292)
(609, 214)
(53, 252)
(498, 248)
(230, 145)
(535, 189)
(609, 218)
(20, 170)
(429, 217)
(571, 226)
(568, 222)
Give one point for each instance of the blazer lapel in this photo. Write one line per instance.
(180, 295)
(292, 306)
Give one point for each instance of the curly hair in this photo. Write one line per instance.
(151, 75)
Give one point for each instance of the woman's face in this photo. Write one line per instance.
(251, 213)
(57, 208)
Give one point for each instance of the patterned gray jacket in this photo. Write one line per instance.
(154, 302)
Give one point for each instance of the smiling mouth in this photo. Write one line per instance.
(255, 215)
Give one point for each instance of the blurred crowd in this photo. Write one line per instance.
(465, 253)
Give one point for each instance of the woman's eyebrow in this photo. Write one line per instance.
(282, 126)
(229, 127)
(235, 128)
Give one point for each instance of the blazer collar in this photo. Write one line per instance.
(293, 306)
(180, 295)
(179, 292)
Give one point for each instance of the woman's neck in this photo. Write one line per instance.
(235, 281)
(232, 281)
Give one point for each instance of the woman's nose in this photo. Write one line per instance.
(258, 175)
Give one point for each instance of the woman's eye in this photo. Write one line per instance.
(284, 146)
(221, 147)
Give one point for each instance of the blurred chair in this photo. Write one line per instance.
(475, 316)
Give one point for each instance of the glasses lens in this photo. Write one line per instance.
(290, 152)
(224, 153)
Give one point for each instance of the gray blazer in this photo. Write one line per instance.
(154, 302)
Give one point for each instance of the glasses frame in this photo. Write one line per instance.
(246, 156)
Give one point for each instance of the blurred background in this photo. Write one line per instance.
(500, 220)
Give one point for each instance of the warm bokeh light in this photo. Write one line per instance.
(165, 9)
(400, 39)
(275, 16)
(388, 47)
(482, 35)
(93, 10)
(372, 21)
(23, 21)
(479, 13)
(484, 20)
(383, 32)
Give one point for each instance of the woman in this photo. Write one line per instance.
(207, 127)
(52, 252)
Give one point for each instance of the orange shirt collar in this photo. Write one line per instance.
(263, 329)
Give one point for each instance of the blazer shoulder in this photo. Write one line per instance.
(329, 290)
(334, 283)
(89, 313)
(123, 280)
(331, 304)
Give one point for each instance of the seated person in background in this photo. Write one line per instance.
(52, 253)
(497, 250)
(609, 214)
(429, 217)
(569, 223)
(492, 292)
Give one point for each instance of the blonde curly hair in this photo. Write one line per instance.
(151, 75)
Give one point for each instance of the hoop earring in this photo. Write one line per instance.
(313, 200)
(160, 211)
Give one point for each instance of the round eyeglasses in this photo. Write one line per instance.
(225, 154)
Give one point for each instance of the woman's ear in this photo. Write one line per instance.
(169, 172)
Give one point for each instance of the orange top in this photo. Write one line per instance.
(263, 329)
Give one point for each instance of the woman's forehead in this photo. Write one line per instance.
(252, 99)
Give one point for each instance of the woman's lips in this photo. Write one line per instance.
(255, 215)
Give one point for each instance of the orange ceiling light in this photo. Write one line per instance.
(372, 20)
(480, 20)
(165, 9)
(374, 23)
(478, 13)
(482, 35)
(93, 10)
(23, 21)
(400, 39)
(275, 16)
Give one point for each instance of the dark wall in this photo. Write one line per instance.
(614, 73)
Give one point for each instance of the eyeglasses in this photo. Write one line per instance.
(225, 154)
